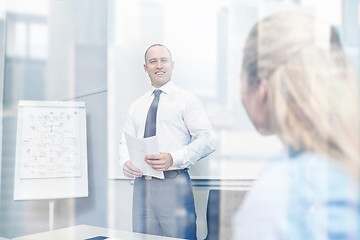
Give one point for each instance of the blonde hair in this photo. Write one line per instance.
(313, 84)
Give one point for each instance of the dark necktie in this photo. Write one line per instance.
(150, 125)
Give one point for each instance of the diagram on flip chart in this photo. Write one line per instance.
(50, 143)
(51, 151)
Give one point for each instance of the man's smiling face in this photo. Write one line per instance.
(159, 65)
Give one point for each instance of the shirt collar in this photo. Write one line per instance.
(166, 88)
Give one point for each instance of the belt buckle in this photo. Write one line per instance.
(148, 177)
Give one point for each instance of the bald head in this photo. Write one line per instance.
(156, 45)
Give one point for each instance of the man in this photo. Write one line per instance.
(166, 206)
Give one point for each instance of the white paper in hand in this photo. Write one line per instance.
(140, 147)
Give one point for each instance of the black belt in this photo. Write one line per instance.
(168, 174)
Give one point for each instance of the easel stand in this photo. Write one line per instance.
(51, 215)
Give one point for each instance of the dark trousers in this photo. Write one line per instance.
(165, 207)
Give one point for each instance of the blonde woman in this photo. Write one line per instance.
(297, 83)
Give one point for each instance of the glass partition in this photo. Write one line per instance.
(93, 51)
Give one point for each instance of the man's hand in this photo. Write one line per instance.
(131, 171)
(160, 162)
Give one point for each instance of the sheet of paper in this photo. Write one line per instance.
(140, 147)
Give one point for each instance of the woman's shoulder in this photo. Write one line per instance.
(292, 194)
(308, 169)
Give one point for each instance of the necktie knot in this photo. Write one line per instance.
(157, 92)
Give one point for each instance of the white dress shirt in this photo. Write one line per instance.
(182, 126)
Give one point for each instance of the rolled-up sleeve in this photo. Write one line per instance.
(202, 138)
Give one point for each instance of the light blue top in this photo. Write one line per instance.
(301, 197)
